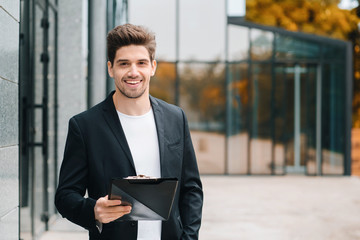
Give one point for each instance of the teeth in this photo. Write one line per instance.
(132, 82)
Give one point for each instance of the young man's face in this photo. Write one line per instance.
(132, 70)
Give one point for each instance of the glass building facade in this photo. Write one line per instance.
(288, 101)
(259, 100)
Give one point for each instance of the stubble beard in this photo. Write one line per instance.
(130, 94)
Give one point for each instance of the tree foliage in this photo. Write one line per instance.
(321, 17)
(203, 92)
(163, 83)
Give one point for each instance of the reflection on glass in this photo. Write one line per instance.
(261, 44)
(160, 17)
(294, 48)
(238, 43)
(238, 115)
(163, 82)
(334, 52)
(295, 156)
(202, 96)
(261, 86)
(308, 118)
(202, 30)
(283, 115)
(333, 119)
(261, 143)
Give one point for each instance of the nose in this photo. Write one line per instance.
(133, 71)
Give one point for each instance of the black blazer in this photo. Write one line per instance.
(96, 150)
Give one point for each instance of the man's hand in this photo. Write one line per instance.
(109, 210)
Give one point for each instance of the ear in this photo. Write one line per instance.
(153, 66)
(109, 65)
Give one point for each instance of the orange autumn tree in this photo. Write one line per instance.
(321, 17)
(203, 92)
(163, 83)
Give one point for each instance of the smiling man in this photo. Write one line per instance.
(129, 133)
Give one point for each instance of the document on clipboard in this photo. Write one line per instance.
(149, 198)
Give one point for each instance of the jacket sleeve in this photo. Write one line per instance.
(191, 194)
(73, 181)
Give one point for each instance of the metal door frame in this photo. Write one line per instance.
(28, 106)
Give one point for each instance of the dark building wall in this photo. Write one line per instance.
(9, 140)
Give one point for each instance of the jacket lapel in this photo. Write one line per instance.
(112, 119)
(159, 121)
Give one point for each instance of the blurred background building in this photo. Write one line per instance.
(267, 88)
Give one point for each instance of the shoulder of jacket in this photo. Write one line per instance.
(90, 113)
(165, 105)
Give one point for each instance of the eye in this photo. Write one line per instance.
(123, 63)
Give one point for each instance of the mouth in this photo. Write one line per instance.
(133, 82)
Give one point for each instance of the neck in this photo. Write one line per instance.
(131, 106)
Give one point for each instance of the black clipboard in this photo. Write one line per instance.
(149, 198)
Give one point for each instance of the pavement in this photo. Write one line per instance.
(267, 207)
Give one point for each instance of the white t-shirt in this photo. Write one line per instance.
(141, 136)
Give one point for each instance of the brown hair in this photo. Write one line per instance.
(128, 34)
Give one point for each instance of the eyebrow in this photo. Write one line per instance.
(127, 60)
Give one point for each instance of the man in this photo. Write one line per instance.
(129, 133)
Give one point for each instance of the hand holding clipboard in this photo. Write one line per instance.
(150, 198)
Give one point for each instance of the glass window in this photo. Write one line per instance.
(238, 43)
(261, 100)
(261, 44)
(334, 52)
(163, 83)
(333, 119)
(295, 118)
(283, 116)
(308, 118)
(202, 30)
(202, 96)
(290, 48)
(238, 119)
(261, 142)
(160, 17)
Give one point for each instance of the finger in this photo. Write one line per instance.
(109, 217)
(104, 201)
(117, 209)
(111, 203)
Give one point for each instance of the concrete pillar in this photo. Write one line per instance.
(9, 119)
(72, 64)
(97, 51)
